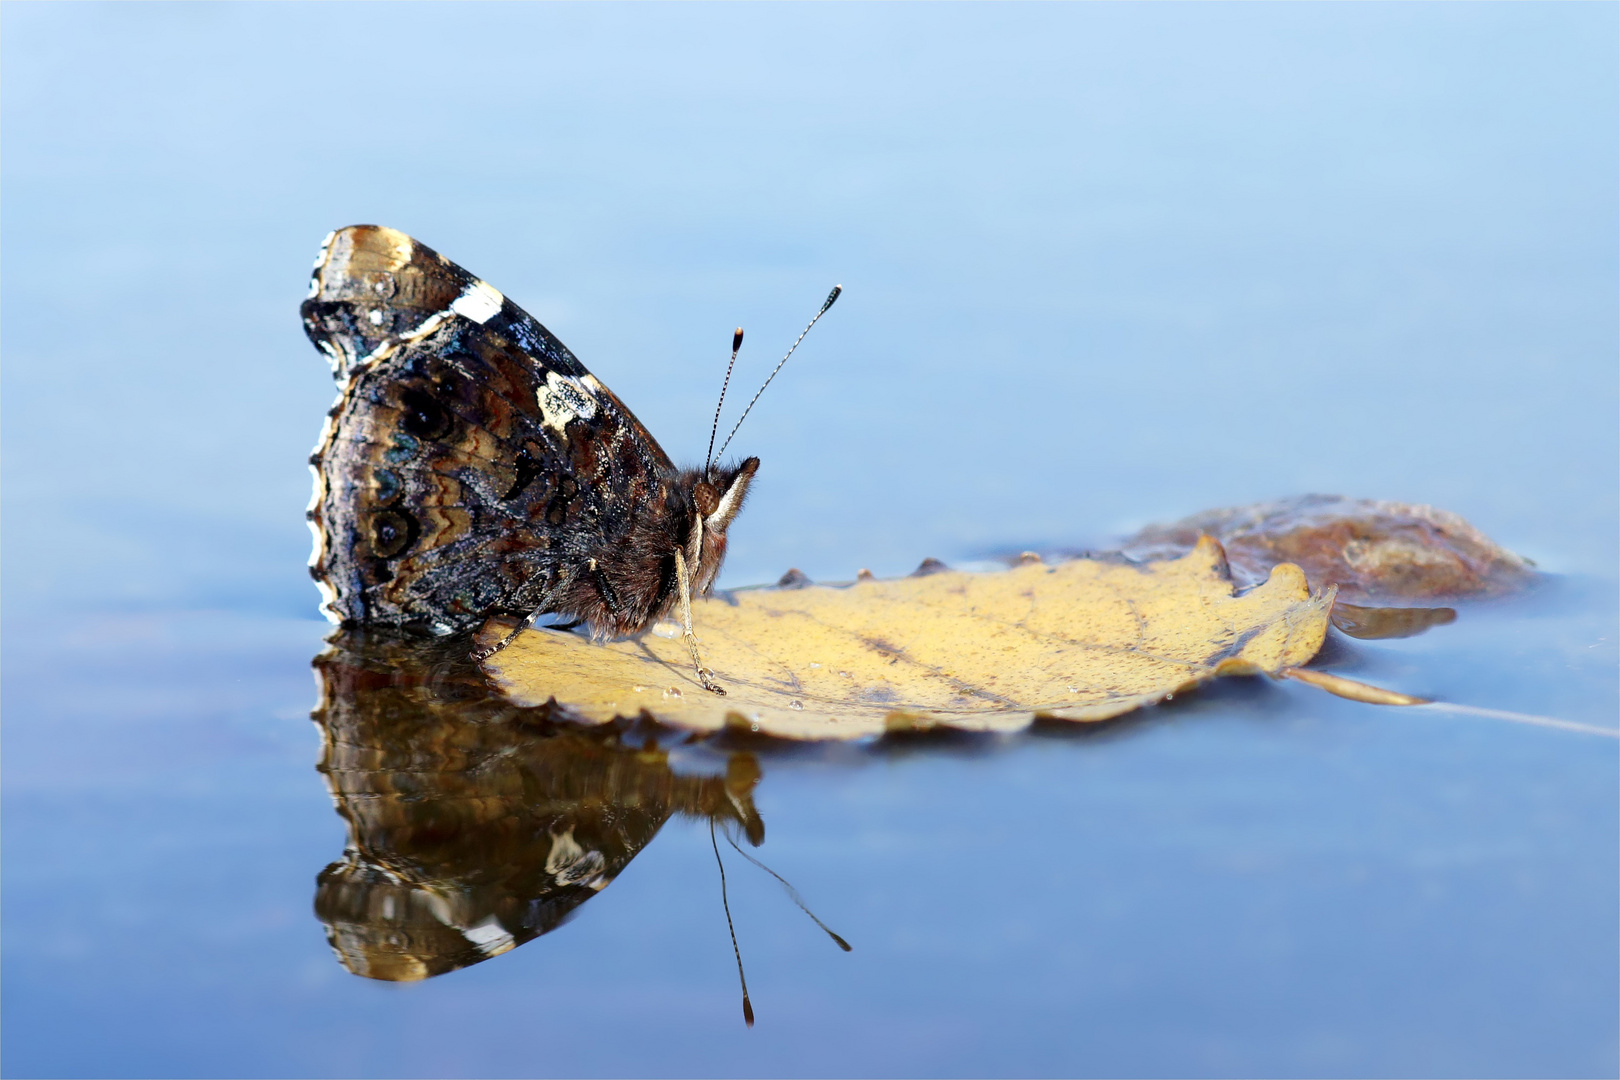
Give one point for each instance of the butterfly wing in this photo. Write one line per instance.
(471, 459)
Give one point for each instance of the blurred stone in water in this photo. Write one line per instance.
(475, 825)
(1373, 550)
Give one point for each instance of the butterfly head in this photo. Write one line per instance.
(720, 497)
(717, 501)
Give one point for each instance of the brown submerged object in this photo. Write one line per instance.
(1374, 551)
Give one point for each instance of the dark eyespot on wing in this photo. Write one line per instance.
(392, 531)
(446, 404)
(424, 416)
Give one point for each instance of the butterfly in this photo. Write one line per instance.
(472, 466)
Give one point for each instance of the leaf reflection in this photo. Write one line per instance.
(476, 825)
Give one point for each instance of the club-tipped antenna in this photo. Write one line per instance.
(748, 1006)
(793, 894)
(736, 345)
(832, 296)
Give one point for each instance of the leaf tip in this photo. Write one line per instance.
(1340, 686)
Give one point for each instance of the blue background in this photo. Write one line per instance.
(1104, 265)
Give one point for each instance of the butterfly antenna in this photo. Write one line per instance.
(832, 296)
(792, 892)
(748, 1006)
(736, 344)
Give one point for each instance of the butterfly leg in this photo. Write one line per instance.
(482, 653)
(684, 583)
(538, 606)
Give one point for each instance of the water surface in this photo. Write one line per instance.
(1103, 265)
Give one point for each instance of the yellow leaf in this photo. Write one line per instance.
(1082, 640)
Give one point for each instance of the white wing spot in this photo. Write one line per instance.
(376, 316)
(392, 344)
(326, 246)
(489, 936)
(479, 302)
(570, 864)
(563, 399)
(320, 261)
(339, 355)
(329, 597)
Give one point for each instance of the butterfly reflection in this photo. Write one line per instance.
(474, 825)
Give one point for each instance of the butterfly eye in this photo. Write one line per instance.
(706, 498)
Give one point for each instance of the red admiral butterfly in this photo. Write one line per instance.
(472, 466)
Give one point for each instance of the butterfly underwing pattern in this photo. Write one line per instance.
(472, 466)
